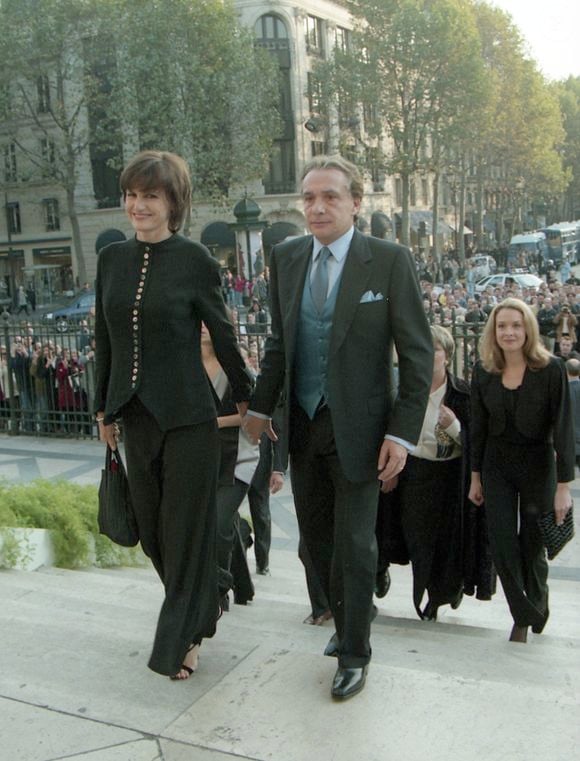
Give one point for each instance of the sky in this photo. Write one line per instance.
(551, 30)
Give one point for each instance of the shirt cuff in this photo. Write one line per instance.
(251, 413)
(454, 430)
(409, 447)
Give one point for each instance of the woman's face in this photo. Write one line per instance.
(510, 332)
(148, 212)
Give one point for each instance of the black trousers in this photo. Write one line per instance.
(429, 494)
(337, 521)
(519, 483)
(173, 479)
(318, 600)
(259, 501)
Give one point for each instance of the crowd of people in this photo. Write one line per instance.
(387, 464)
(47, 386)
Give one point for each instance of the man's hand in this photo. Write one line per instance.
(242, 408)
(562, 502)
(256, 426)
(392, 459)
(476, 489)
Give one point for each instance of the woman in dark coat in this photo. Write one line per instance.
(522, 455)
(442, 534)
(152, 294)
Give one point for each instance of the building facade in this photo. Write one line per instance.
(36, 235)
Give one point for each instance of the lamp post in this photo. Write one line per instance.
(248, 229)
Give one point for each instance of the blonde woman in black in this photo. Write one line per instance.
(153, 292)
(522, 455)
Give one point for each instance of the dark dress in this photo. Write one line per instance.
(150, 301)
(428, 520)
(515, 435)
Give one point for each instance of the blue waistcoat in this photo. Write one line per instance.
(312, 346)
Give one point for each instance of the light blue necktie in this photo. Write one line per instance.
(319, 283)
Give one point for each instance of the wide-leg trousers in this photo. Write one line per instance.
(519, 483)
(337, 524)
(173, 479)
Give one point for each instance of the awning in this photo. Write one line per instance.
(219, 234)
(418, 216)
(380, 224)
(466, 230)
(277, 232)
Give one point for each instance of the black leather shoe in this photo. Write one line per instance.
(429, 612)
(263, 571)
(382, 583)
(347, 682)
(332, 647)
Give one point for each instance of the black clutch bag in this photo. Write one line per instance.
(555, 537)
(116, 518)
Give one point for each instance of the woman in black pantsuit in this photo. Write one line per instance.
(520, 418)
(153, 292)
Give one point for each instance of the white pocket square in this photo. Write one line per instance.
(369, 296)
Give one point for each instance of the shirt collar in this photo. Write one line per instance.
(338, 248)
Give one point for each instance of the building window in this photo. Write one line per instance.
(10, 168)
(317, 147)
(13, 217)
(342, 39)
(314, 35)
(47, 152)
(425, 191)
(398, 191)
(314, 93)
(43, 88)
(413, 193)
(51, 214)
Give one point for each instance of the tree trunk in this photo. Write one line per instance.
(76, 235)
(461, 221)
(405, 228)
(435, 223)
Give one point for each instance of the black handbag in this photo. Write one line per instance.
(116, 518)
(555, 537)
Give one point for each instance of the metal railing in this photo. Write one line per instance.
(47, 377)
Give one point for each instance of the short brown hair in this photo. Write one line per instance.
(535, 354)
(352, 173)
(161, 170)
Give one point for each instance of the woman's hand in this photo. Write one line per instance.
(446, 416)
(562, 502)
(108, 434)
(476, 489)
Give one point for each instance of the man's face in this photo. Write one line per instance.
(328, 204)
(565, 346)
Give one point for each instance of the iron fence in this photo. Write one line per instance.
(47, 374)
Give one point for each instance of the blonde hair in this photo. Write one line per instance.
(535, 354)
(443, 338)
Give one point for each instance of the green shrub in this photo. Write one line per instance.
(69, 511)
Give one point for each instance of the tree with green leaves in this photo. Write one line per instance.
(414, 69)
(102, 79)
(189, 79)
(44, 103)
(568, 93)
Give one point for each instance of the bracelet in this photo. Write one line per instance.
(100, 419)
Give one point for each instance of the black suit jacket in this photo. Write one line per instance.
(182, 289)
(361, 348)
(543, 413)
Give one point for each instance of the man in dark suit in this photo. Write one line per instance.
(339, 301)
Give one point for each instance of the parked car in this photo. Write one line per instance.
(483, 265)
(81, 307)
(522, 279)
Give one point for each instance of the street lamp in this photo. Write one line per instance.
(248, 229)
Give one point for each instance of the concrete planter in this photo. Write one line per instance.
(28, 549)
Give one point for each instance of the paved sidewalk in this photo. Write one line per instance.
(74, 682)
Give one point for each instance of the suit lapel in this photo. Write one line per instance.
(295, 269)
(353, 283)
